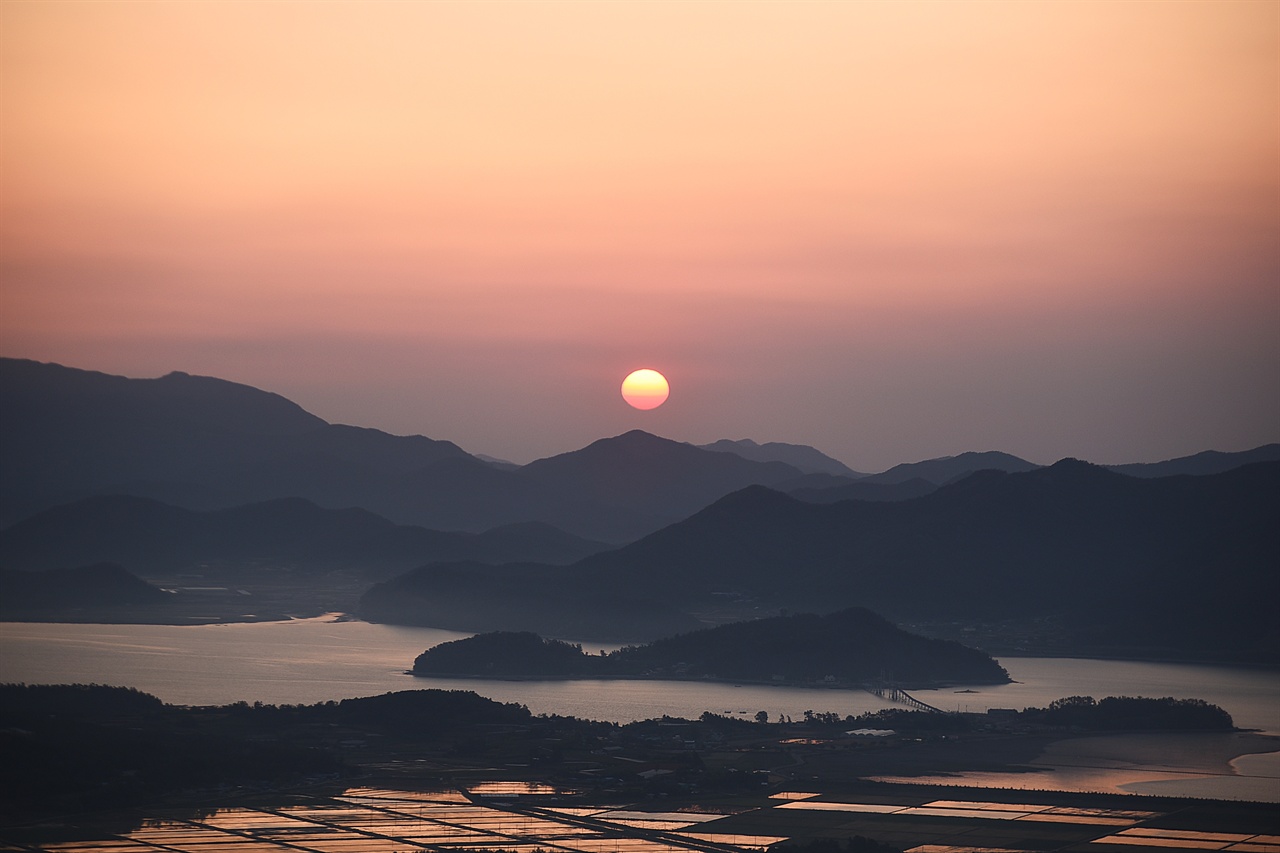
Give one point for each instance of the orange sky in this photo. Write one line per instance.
(892, 230)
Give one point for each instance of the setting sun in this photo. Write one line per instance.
(645, 389)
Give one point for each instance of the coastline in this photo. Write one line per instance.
(225, 605)
(89, 617)
(1086, 654)
(1195, 764)
(813, 685)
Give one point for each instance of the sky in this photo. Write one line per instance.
(890, 230)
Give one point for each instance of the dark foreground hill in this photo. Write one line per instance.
(1175, 567)
(68, 749)
(851, 646)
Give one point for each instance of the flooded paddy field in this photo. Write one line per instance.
(525, 817)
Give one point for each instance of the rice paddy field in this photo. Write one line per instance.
(526, 817)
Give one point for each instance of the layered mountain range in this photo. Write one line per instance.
(155, 538)
(187, 473)
(203, 443)
(1171, 567)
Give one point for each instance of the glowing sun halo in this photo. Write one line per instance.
(645, 389)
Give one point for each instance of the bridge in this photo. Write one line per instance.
(902, 697)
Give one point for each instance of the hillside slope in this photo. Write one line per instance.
(154, 538)
(1170, 566)
(850, 646)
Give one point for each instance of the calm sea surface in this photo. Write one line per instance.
(315, 660)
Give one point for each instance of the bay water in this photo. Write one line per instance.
(305, 661)
(314, 660)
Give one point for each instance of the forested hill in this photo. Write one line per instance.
(1174, 567)
(85, 592)
(853, 645)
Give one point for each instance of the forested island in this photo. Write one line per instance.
(850, 646)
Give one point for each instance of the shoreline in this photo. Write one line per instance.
(1129, 763)
(148, 615)
(1263, 665)
(194, 620)
(814, 685)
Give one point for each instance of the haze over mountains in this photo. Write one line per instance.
(1169, 566)
(203, 443)
(168, 474)
(807, 459)
(157, 538)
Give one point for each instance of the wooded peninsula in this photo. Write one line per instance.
(853, 646)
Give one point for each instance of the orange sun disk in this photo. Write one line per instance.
(645, 389)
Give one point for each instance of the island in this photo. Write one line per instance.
(852, 646)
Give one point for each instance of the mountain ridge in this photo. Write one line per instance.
(204, 443)
(95, 591)
(809, 460)
(944, 469)
(1152, 565)
(1205, 462)
(157, 538)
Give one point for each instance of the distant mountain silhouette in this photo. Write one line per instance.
(97, 588)
(650, 477)
(947, 468)
(1168, 564)
(1208, 462)
(1172, 566)
(193, 440)
(806, 459)
(862, 490)
(615, 489)
(496, 462)
(155, 538)
(203, 443)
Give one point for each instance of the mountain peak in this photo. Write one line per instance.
(54, 394)
(640, 436)
(628, 443)
(1069, 465)
(946, 469)
(806, 459)
(1070, 469)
